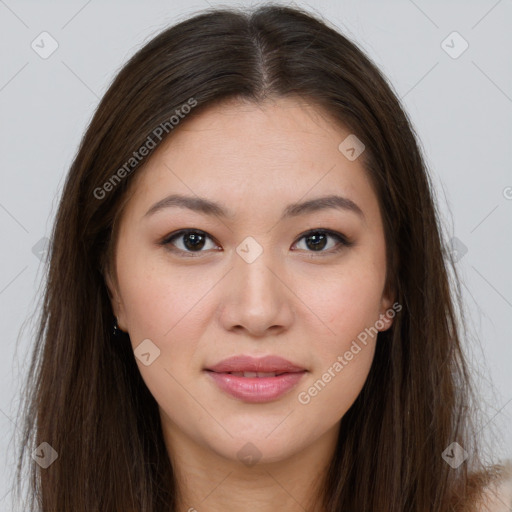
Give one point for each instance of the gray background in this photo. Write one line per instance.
(460, 107)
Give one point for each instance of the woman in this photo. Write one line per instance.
(250, 209)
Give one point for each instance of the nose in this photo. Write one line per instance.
(257, 298)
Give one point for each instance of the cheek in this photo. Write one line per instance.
(346, 302)
(333, 390)
(344, 354)
(158, 298)
(172, 308)
(164, 307)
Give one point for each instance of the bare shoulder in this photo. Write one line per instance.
(497, 496)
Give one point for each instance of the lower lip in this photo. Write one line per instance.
(256, 389)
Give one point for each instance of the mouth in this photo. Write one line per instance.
(259, 375)
(245, 365)
(254, 380)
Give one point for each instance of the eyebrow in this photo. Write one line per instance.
(207, 207)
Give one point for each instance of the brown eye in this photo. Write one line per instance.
(189, 241)
(192, 242)
(318, 240)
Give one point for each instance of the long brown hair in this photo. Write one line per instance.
(84, 394)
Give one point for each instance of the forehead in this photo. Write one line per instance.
(248, 156)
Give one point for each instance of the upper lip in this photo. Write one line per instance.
(245, 363)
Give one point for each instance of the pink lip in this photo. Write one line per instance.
(253, 364)
(256, 389)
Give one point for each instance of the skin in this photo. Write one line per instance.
(303, 304)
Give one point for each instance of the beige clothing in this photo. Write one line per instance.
(498, 497)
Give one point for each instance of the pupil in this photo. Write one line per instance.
(316, 244)
(196, 239)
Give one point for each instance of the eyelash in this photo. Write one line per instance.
(342, 241)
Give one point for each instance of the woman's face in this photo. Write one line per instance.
(252, 282)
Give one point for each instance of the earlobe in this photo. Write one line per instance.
(384, 322)
(386, 315)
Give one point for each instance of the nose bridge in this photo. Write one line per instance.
(253, 264)
(256, 298)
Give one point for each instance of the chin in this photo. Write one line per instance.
(258, 444)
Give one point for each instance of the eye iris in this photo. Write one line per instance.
(319, 242)
(197, 241)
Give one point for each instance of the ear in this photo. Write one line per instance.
(115, 301)
(387, 312)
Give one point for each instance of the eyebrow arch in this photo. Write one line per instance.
(212, 208)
